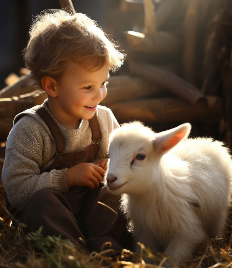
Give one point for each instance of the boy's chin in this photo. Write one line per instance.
(89, 116)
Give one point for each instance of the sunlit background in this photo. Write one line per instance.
(179, 58)
(15, 20)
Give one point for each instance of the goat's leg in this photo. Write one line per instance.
(182, 246)
(215, 224)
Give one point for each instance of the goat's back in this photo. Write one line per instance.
(210, 175)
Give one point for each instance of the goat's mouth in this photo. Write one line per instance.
(115, 187)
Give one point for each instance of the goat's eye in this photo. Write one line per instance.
(140, 156)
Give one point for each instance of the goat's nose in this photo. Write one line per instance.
(111, 180)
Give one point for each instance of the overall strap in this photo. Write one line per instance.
(57, 134)
(67, 160)
(55, 130)
(96, 132)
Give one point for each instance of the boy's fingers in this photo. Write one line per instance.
(105, 164)
(90, 185)
(94, 181)
(99, 163)
(97, 175)
(99, 170)
(102, 163)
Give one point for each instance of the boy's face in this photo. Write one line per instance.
(78, 92)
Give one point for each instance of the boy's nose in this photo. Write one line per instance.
(101, 94)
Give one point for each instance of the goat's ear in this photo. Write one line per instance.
(166, 140)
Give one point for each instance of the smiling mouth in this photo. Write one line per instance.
(91, 108)
(117, 187)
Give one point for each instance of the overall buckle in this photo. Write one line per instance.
(59, 156)
(95, 144)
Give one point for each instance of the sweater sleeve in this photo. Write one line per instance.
(21, 176)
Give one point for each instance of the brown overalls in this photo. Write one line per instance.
(81, 214)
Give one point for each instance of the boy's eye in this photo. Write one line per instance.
(105, 83)
(88, 87)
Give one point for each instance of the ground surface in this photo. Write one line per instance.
(17, 250)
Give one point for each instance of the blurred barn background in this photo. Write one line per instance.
(177, 69)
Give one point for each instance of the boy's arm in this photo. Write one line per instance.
(21, 171)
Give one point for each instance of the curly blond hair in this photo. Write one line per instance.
(56, 37)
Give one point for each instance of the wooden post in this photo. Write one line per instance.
(150, 40)
(215, 45)
(165, 11)
(9, 107)
(149, 21)
(67, 5)
(169, 81)
(11, 79)
(190, 33)
(167, 110)
(5, 127)
(227, 94)
(125, 87)
(22, 86)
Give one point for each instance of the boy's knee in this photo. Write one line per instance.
(43, 200)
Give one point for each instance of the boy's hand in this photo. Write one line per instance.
(103, 163)
(85, 174)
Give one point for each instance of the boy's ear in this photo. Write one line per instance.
(49, 85)
(166, 140)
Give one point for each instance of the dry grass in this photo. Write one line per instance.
(36, 251)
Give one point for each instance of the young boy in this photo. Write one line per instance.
(49, 174)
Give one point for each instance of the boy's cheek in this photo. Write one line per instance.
(104, 93)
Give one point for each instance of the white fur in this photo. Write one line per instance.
(175, 197)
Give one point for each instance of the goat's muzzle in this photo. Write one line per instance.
(111, 180)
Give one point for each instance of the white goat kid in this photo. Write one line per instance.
(174, 198)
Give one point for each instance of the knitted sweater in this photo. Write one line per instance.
(31, 149)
